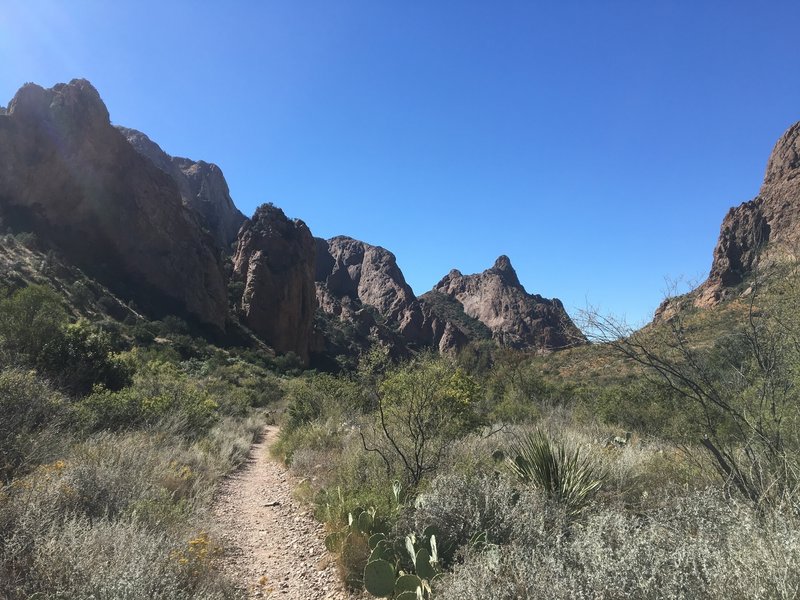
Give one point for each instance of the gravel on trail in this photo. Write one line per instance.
(274, 548)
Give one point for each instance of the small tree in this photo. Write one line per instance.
(423, 406)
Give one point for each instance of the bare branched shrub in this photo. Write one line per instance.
(743, 381)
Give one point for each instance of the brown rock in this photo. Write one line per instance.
(762, 231)
(515, 318)
(348, 268)
(72, 178)
(275, 259)
(202, 187)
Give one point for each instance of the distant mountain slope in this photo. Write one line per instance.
(202, 187)
(515, 318)
(352, 276)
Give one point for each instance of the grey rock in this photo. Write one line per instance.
(202, 187)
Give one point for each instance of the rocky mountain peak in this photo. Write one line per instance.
(202, 187)
(515, 318)
(73, 105)
(784, 162)
(503, 267)
(762, 231)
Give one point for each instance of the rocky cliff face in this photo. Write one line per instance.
(275, 260)
(368, 275)
(69, 176)
(761, 231)
(515, 318)
(202, 187)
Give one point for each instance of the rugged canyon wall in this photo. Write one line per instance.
(202, 187)
(72, 178)
(761, 232)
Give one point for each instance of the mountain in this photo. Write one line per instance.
(516, 319)
(156, 230)
(274, 263)
(762, 232)
(369, 275)
(69, 176)
(361, 285)
(202, 187)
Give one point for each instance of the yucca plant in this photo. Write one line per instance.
(564, 474)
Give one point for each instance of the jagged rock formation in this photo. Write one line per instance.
(202, 187)
(362, 286)
(762, 231)
(364, 299)
(369, 275)
(68, 175)
(275, 261)
(515, 318)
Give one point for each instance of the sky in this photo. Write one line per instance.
(597, 144)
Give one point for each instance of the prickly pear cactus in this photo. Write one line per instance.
(379, 578)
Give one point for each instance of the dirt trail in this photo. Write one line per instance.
(273, 546)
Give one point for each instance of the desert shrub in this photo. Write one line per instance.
(288, 364)
(423, 407)
(80, 357)
(565, 474)
(31, 414)
(227, 443)
(161, 393)
(108, 559)
(460, 507)
(30, 319)
(699, 547)
(260, 387)
(93, 522)
(321, 396)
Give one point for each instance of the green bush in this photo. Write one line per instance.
(423, 407)
(161, 394)
(80, 357)
(30, 319)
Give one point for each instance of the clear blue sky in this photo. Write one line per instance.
(598, 144)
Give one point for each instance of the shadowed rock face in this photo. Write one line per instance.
(202, 187)
(761, 231)
(516, 319)
(275, 259)
(67, 174)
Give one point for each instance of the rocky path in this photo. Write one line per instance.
(274, 547)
